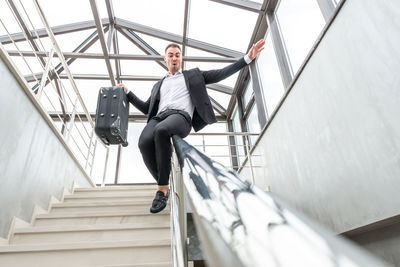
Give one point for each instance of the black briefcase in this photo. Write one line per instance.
(111, 123)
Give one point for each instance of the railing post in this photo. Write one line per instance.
(90, 146)
(105, 167)
(94, 154)
(247, 144)
(72, 122)
(45, 73)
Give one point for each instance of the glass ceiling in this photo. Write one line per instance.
(211, 22)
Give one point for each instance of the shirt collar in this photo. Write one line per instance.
(170, 75)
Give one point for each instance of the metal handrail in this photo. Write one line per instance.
(178, 216)
(241, 225)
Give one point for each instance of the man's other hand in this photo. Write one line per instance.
(255, 49)
(123, 85)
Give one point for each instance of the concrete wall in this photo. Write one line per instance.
(34, 164)
(333, 148)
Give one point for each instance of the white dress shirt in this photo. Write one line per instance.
(175, 95)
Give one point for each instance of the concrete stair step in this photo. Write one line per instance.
(151, 264)
(143, 206)
(97, 193)
(77, 233)
(116, 197)
(118, 188)
(86, 253)
(159, 219)
(101, 200)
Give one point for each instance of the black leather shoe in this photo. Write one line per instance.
(159, 202)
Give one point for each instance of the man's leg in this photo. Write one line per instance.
(174, 124)
(147, 148)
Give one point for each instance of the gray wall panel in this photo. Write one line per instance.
(333, 148)
(34, 164)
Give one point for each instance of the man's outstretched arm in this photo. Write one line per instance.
(214, 76)
(139, 104)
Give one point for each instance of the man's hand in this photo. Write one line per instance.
(122, 85)
(255, 49)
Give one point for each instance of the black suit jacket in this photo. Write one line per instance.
(196, 81)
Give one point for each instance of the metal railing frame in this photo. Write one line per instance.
(91, 146)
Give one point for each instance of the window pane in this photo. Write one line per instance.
(269, 74)
(132, 168)
(300, 22)
(162, 15)
(247, 94)
(63, 12)
(253, 125)
(238, 139)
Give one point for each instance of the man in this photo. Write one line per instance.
(177, 102)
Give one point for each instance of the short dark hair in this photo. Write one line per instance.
(172, 45)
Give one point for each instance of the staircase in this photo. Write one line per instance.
(109, 226)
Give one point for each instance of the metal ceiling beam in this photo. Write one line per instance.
(185, 29)
(99, 27)
(120, 56)
(110, 12)
(62, 29)
(177, 38)
(30, 78)
(327, 8)
(142, 45)
(117, 61)
(220, 88)
(217, 107)
(110, 37)
(216, 87)
(246, 5)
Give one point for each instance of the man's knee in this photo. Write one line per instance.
(161, 131)
(145, 143)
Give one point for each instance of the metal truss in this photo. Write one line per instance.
(177, 38)
(76, 55)
(128, 29)
(102, 40)
(142, 45)
(62, 29)
(246, 5)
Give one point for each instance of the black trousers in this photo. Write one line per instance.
(155, 142)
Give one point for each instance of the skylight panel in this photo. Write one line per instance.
(164, 15)
(221, 25)
(141, 67)
(65, 12)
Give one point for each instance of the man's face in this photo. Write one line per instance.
(173, 58)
